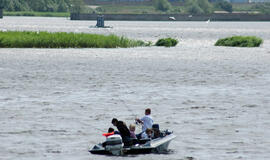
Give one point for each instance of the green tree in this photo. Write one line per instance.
(205, 6)
(50, 6)
(77, 6)
(62, 7)
(162, 5)
(3, 3)
(39, 5)
(35, 5)
(194, 9)
(225, 5)
(9, 6)
(263, 8)
(198, 6)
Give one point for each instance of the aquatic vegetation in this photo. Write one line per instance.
(240, 41)
(16, 39)
(167, 42)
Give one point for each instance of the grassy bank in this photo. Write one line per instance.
(240, 41)
(38, 14)
(15, 39)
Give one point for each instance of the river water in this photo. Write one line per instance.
(56, 103)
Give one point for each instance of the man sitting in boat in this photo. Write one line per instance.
(146, 121)
(123, 130)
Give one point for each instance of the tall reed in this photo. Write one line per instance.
(25, 39)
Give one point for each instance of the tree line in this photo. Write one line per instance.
(39, 5)
(76, 6)
(195, 6)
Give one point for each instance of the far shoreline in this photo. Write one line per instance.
(148, 17)
(176, 17)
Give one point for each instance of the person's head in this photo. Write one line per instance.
(149, 132)
(147, 111)
(110, 130)
(132, 127)
(114, 121)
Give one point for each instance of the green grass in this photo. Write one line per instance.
(167, 42)
(38, 14)
(16, 39)
(240, 41)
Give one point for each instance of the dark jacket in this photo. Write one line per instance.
(122, 128)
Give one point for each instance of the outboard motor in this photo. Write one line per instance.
(100, 21)
(156, 130)
(114, 144)
(155, 126)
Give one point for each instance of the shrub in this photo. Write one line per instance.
(177, 10)
(263, 7)
(167, 42)
(225, 5)
(205, 6)
(162, 5)
(100, 10)
(195, 9)
(198, 6)
(240, 41)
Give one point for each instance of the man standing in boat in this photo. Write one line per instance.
(146, 121)
(123, 130)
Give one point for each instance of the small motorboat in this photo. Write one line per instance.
(115, 146)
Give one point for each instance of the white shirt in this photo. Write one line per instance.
(147, 122)
(145, 136)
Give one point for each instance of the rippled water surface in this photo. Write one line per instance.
(56, 103)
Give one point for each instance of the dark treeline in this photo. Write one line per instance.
(79, 6)
(193, 6)
(37, 5)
